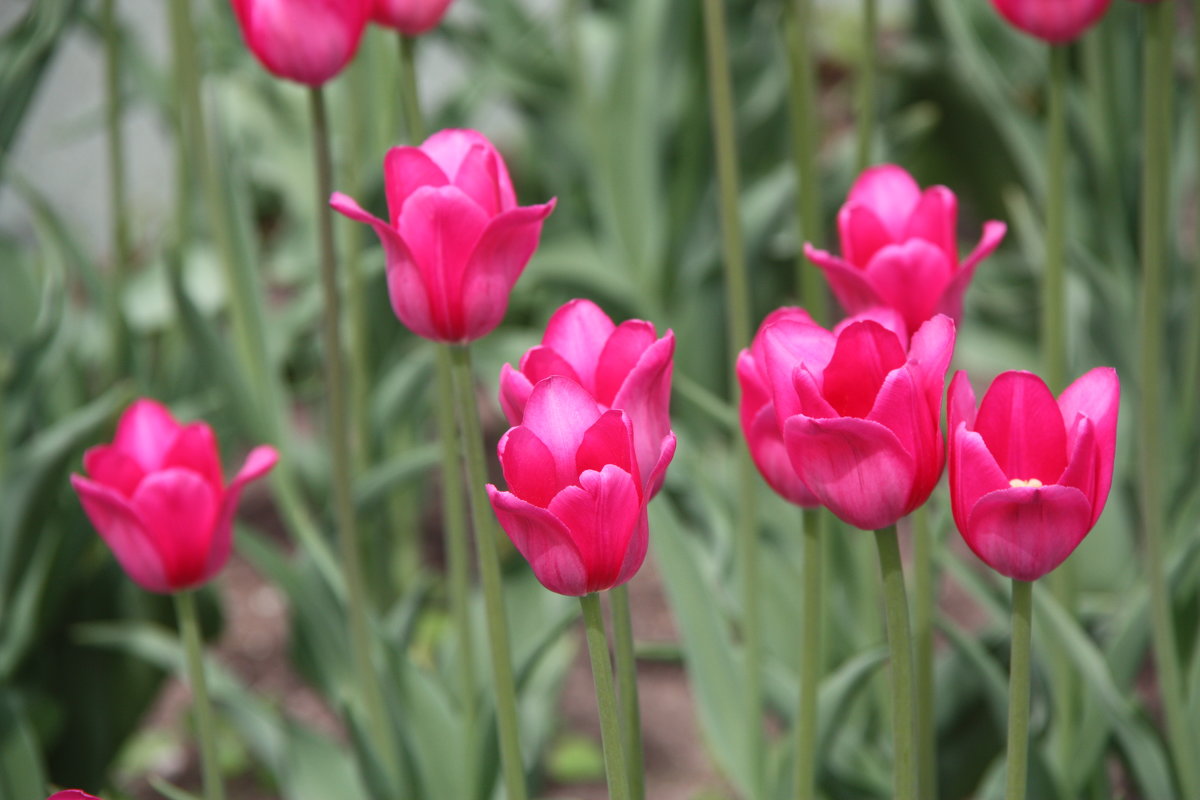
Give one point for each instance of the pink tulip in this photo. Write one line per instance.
(1055, 21)
(858, 408)
(456, 241)
(71, 794)
(626, 366)
(1029, 475)
(575, 508)
(307, 41)
(158, 500)
(410, 17)
(900, 248)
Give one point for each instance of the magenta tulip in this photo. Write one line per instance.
(71, 794)
(157, 498)
(1055, 21)
(575, 507)
(858, 408)
(1029, 475)
(455, 240)
(307, 41)
(410, 17)
(900, 249)
(626, 366)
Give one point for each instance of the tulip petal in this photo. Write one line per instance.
(559, 413)
(529, 468)
(450, 148)
(258, 463)
(179, 509)
(857, 468)
(849, 283)
(578, 332)
(901, 408)
(119, 526)
(146, 432)
(542, 362)
(657, 473)
(935, 220)
(514, 393)
(807, 392)
(1025, 532)
(910, 278)
(107, 465)
(621, 352)
(1096, 395)
(960, 406)
(411, 19)
(890, 192)
(951, 302)
(608, 441)
(973, 472)
(645, 397)
(1020, 421)
(543, 541)
(195, 448)
(765, 440)
(929, 356)
(862, 234)
(602, 515)
(865, 353)
(477, 178)
(786, 345)
(889, 318)
(1084, 462)
(406, 169)
(499, 258)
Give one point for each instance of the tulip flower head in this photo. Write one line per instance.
(71, 794)
(455, 239)
(900, 249)
(307, 41)
(857, 410)
(626, 366)
(1054, 21)
(1029, 475)
(575, 506)
(157, 498)
(410, 17)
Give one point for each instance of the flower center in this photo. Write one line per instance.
(1017, 483)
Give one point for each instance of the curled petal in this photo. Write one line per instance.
(848, 282)
(543, 541)
(653, 480)
(951, 301)
(1025, 532)
(259, 462)
(929, 356)
(514, 393)
(122, 530)
(1096, 395)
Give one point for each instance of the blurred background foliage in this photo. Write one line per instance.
(602, 103)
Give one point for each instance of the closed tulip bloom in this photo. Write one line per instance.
(410, 17)
(575, 507)
(626, 366)
(71, 794)
(307, 41)
(1029, 475)
(455, 239)
(859, 408)
(157, 497)
(900, 248)
(1055, 21)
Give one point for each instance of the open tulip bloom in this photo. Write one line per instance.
(157, 498)
(626, 366)
(1029, 475)
(455, 239)
(575, 506)
(307, 41)
(900, 249)
(857, 410)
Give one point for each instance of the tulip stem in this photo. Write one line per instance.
(1191, 363)
(122, 248)
(1053, 302)
(410, 94)
(810, 657)
(631, 716)
(189, 630)
(1018, 690)
(866, 83)
(738, 314)
(805, 118)
(483, 519)
(925, 608)
(1160, 18)
(900, 644)
(610, 729)
(339, 443)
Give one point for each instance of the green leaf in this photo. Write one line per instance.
(21, 776)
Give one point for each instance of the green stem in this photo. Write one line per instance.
(1156, 92)
(1018, 691)
(1191, 363)
(189, 629)
(924, 619)
(805, 119)
(483, 519)
(351, 236)
(810, 659)
(339, 442)
(610, 729)
(1053, 301)
(866, 83)
(123, 250)
(410, 95)
(738, 313)
(900, 643)
(631, 716)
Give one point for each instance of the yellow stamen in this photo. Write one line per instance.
(1017, 483)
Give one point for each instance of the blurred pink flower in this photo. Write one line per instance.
(626, 367)
(900, 248)
(575, 507)
(1029, 475)
(307, 41)
(71, 794)
(455, 239)
(858, 409)
(1055, 21)
(410, 17)
(157, 497)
